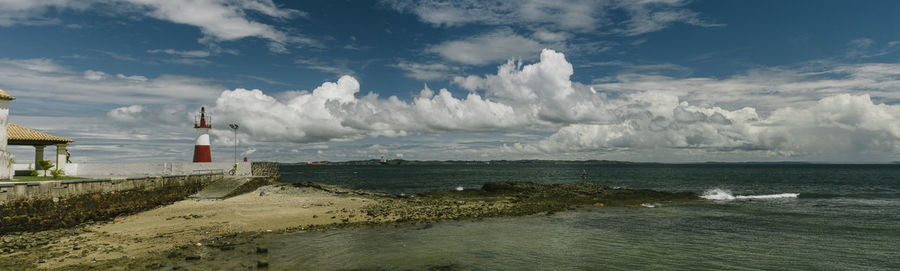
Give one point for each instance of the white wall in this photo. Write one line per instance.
(6, 171)
(145, 169)
(4, 120)
(5, 167)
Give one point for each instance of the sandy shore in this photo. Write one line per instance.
(131, 241)
(270, 208)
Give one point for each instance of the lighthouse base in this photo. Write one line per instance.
(201, 154)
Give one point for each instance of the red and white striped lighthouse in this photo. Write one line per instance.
(201, 148)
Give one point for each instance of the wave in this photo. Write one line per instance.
(722, 194)
(851, 195)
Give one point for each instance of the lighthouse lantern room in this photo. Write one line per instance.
(201, 148)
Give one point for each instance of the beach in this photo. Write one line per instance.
(146, 240)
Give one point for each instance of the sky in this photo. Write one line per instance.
(646, 80)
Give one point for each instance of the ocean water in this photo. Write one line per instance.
(760, 217)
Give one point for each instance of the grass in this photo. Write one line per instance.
(40, 178)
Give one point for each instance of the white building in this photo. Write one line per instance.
(6, 158)
(12, 134)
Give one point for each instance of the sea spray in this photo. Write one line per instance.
(722, 194)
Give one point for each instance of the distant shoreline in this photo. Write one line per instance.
(560, 162)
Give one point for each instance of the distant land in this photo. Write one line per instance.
(553, 162)
(464, 162)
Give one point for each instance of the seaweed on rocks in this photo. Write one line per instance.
(513, 199)
(44, 214)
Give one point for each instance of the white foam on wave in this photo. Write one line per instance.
(722, 194)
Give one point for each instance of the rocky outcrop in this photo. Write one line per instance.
(501, 199)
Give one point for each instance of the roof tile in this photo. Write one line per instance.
(22, 134)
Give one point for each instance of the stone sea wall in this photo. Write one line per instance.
(35, 206)
(269, 169)
(12, 191)
(69, 204)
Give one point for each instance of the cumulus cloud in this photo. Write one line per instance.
(539, 94)
(333, 112)
(843, 128)
(586, 120)
(767, 89)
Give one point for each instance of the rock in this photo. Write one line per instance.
(262, 263)
(174, 254)
(192, 257)
(261, 249)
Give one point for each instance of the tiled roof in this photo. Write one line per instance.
(5, 96)
(19, 135)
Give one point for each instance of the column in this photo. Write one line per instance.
(38, 156)
(61, 156)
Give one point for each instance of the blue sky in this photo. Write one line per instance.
(656, 80)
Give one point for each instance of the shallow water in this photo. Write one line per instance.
(810, 217)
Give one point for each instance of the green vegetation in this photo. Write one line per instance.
(45, 165)
(57, 173)
(40, 178)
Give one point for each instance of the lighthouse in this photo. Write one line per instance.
(201, 148)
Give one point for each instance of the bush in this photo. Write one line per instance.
(45, 166)
(56, 173)
(34, 173)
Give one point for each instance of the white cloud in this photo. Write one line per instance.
(768, 89)
(573, 15)
(563, 14)
(127, 113)
(664, 118)
(332, 66)
(868, 48)
(427, 72)
(518, 96)
(218, 20)
(45, 81)
(132, 77)
(31, 12)
(836, 112)
(655, 15)
(549, 36)
(542, 90)
(192, 53)
(94, 75)
(487, 48)
(333, 112)
(840, 128)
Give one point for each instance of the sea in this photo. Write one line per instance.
(758, 217)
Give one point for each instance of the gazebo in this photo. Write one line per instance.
(22, 136)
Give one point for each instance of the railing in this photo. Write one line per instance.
(209, 171)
